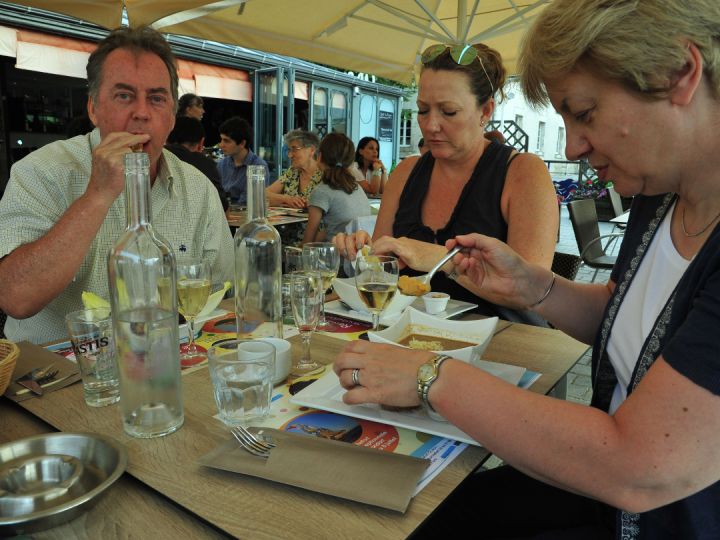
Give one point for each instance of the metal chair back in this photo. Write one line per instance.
(593, 253)
(584, 219)
(566, 265)
(616, 202)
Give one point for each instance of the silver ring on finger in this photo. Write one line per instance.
(356, 377)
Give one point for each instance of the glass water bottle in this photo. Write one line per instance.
(142, 281)
(258, 267)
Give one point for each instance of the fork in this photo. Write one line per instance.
(37, 373)
(252, 443)
(46, 378)
(35, 380)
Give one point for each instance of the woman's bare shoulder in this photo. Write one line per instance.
(405, 166)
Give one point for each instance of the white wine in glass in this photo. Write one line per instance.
(324, 258)
(193, 289)
(376, 278)
(306, 292)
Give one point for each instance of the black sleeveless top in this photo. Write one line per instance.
(477, 210)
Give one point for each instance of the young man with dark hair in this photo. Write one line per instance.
(186, 141)
(235, 142)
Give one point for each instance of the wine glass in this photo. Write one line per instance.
(193, 289)
(306, 294)
(376, 278)
(292, 259)
(322, 257)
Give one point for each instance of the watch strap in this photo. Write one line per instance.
(424, 386)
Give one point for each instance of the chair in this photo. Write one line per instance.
(363, 223)
(566, 265)
(583, 217)
(617, 206)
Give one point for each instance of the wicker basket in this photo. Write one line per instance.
(9, 353)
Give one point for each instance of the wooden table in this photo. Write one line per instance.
(243, 506)
(236, 218)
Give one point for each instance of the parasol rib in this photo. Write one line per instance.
(195, 13)
(499, 29)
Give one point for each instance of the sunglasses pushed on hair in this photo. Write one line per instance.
(462, 55)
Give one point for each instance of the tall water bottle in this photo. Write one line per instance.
(142, 280)
(258, 267)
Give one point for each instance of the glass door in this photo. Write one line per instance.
(273, 102)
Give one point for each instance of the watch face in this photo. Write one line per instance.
(426, 372)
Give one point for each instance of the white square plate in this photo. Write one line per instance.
(326, 394)
(454, 307)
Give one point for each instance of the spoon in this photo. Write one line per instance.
(425, 280)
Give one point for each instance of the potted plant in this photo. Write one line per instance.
(590, 187)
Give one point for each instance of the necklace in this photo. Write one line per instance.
(693, 235)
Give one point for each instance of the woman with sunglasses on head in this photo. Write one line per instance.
(372, 170)
(637, 83)
(466, 183)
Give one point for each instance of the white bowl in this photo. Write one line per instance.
(348, 293)
(283, 358)
(435, 302)
(413, 321)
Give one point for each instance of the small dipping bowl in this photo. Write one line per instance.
(435, 302)
(283, 358)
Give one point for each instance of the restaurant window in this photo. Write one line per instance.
(541, 138)
(330, 109)
(406, 128)
(36, 110)
(320, 112)
(560, 146)
(339, 112)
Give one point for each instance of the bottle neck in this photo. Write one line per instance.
(256, 196)
(137, 194)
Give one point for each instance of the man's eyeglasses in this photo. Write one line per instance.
(462, 55)
(294, 149)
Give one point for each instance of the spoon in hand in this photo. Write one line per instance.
(421, 285)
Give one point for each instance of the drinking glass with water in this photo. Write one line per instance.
(242, 373)
(91, 335)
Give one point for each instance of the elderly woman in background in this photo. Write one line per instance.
(638, 86)
(190, 105)
(372, 173)
(466, 183)
(294, 186)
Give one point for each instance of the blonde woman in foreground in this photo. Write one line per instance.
(638, 86)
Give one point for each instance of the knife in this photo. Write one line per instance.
(31, 384)
(43, 386)
(29, 380)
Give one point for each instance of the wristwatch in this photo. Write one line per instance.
(427, 374)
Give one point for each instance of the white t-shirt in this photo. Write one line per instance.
(654, 282)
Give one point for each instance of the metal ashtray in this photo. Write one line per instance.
(49, 479)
